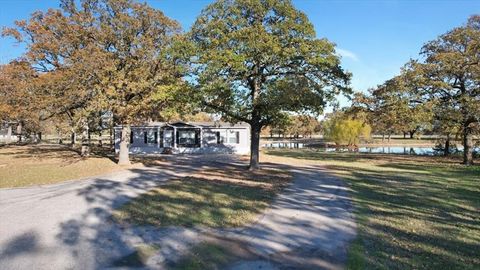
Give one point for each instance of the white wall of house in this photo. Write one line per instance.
(232, 140)
(236, 140)
(139, 146)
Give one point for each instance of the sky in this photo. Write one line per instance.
(374, 37)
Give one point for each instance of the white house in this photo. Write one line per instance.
(182, 137)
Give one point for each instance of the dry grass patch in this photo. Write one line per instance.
(29, 165)
(225, 197)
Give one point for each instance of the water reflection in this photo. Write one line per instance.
(405, 150)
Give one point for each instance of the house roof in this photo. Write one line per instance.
(194, 124)
(222, 124)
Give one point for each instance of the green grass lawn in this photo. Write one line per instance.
(227, 197)
(29, 165)
(204, 256)
(413, 212)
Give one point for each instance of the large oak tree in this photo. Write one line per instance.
(255, 60)
(450, 76)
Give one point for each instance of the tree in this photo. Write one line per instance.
(301, 125)
(17, 97)
(63, 53)
(344, 130)
(117, 55)
(256, 60)
(394, 107)
(450, 76)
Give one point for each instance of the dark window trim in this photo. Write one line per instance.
(161, 138)
(188, 145)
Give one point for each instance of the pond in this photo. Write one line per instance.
(404, 150)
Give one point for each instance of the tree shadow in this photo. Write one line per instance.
(24, 243)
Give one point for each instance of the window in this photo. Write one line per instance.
(188, 137)
(150, 137)
(220, 138)
(234, 137)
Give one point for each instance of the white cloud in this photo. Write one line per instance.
(347, 54)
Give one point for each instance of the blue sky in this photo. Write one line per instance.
(375, 37)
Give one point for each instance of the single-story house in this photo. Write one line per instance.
(182, 137)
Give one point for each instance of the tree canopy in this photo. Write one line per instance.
(450, 77)
(343, 129)
(393, 107)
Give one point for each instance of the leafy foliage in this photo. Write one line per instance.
(344, 130)
(450, 77)
(394, 108)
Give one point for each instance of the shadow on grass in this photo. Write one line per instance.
(197, 201)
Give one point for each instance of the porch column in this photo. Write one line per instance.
(158, 137)
(9, 133)
(201, 137)
(174, 137)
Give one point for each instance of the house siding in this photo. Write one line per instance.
(236, 140)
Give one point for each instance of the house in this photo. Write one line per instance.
(182, 137)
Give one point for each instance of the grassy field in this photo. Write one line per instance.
(216, 198)
(413, 212)
(29, 165)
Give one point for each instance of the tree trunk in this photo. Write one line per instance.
(100, 142)
(112, 137)
(123, 157)
(446, 150)
(389, 136)
(254, 147)
(19, 131)
(73, 139)
(467, 146)
(404, 135)
(383, 137)
(9, 134)
(85, 152)
(412, 133)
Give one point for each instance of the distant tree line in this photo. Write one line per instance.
(293, 126)
(438, 93)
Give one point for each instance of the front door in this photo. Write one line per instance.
(168, 138)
